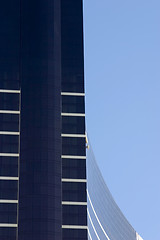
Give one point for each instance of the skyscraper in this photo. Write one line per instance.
(105, 219)
(42, 135)
(42, 130)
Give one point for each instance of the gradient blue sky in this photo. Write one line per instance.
(122, 75)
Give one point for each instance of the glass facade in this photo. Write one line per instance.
(42, 121)
(9, 117)
(74, 203)
(40, 139)
(105, 219)
(42, 130)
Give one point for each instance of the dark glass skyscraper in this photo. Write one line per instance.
(42, 121)
(42, 130)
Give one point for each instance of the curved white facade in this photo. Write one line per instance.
(105, 219)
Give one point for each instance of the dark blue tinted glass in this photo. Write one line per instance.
(74, 234)
(73, 125)
(9, 143)
(74, 215)
(73, 104)
(10, 84)
(8, 213)
(73, 146)
(73, 81)
(10, 44)
(9, 101)
(40, 215)
(9, 122)
(8, 233)
(72, 46)
(74, 191)
(72, 168)
(9, 80)
(9, 166)
(8, 189)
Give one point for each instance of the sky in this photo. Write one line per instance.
(122, 81)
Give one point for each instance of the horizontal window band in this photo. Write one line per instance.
(9, 133)
(9, 178)
(8, 201)
(74, 180)
(9, 112)
(9, 91)
(73, 135)
(74, 227)
(72, 94)
(9, 154)
(73, 157)
(73, 114)
(74, 203)
(8, 225)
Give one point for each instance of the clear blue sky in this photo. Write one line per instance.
(122, 75)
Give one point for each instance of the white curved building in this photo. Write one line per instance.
(105, 219)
